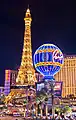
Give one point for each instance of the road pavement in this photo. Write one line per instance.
(11, 118)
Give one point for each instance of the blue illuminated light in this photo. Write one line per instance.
(48, 59)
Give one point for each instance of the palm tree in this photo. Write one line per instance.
(58, 110)
(67, 109)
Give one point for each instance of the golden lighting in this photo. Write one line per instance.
(68, 75)
(45, 50)
(48, 63)
(26, 74)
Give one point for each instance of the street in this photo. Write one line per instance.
(11, 118)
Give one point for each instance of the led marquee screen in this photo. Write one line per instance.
(44, 87)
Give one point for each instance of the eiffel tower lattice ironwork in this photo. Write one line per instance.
(26, 74)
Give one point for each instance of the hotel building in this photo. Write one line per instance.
(68, 75)
(10, 80)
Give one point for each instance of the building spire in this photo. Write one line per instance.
(27, 14)
(28, 6)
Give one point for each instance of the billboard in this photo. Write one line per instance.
(58, 89)
(46, 87)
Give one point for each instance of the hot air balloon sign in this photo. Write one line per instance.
(48, 60)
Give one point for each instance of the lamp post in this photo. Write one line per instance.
(52, 97)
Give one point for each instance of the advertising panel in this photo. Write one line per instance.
(58, 89)
(46, 88)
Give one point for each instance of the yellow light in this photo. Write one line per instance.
(48, 63)
(45, 50)
(28, 10)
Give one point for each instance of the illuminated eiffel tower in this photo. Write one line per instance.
(26, 74)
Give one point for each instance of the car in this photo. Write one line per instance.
(2, 115)
(16, 114)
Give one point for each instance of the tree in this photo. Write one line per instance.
(25, 102)
(58, 110)
(67, 109)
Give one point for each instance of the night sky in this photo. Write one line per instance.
(54, 21)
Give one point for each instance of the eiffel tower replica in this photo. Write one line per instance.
(26, 74)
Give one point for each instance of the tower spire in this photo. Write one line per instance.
(28, 6)
(26, 74)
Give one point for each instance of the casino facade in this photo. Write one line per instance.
(68, 75)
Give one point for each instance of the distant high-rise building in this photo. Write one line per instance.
(13, 78)
(68, 75)
(10, 80)
(7, 82)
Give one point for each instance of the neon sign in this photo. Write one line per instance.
(48, 59)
